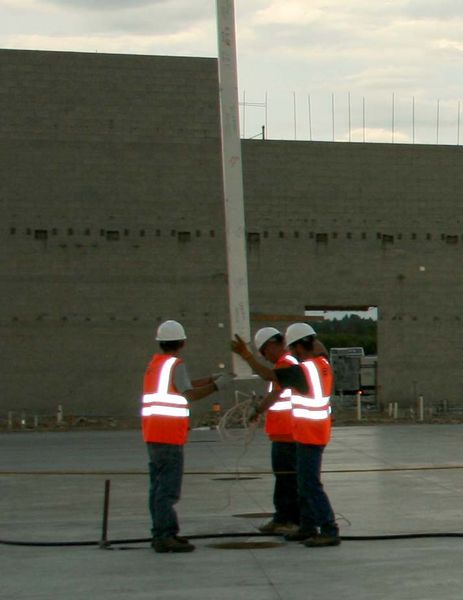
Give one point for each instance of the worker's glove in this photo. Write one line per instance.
(240, 347)
(223, 381)
(253, 415)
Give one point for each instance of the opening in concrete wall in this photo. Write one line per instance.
(350, 336)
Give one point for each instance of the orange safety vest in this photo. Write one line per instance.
(312, 411)
(279, 422)
(165, 413)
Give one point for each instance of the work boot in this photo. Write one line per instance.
(299, 535)
(322, 540)
(182, 540)
(172, 544)
(273, 527)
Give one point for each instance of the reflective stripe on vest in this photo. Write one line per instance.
(280, 405)
(314, 408)
(283, 404)
(160, 402)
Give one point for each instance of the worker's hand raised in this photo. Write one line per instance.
(223, 381)
(240, 347)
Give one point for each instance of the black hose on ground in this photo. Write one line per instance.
(208, 536)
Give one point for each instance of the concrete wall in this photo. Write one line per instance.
(111, 221)
(373, 224)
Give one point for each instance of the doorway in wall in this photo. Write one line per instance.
(349, 334)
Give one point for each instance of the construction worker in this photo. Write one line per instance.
(167, 390)
(278, 425)
(311, 383)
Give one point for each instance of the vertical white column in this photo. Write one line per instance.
(233, 179)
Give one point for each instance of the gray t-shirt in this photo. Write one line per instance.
(181, 379)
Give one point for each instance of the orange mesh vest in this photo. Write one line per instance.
(165, 412)
(279, 422)
(312, 411)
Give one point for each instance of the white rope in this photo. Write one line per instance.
(234, 426)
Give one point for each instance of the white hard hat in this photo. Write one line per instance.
(297, 331)
(170, 331)
(264, 335)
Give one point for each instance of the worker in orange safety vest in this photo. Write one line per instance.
(167, 391)
(270, 343)
(311, 383)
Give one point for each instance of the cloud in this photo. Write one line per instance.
(378, 135)
(445, 44)
(105, 5)
(289, 12)
(125, 44)
(441, 10)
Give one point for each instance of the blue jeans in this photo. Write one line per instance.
(316, 511)
(285, 498)
(166, 472)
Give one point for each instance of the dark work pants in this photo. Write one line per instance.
(166, 472)
(315, 506)
(285, 497)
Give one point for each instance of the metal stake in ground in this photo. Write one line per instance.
(104, 543)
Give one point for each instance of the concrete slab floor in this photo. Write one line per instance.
(52, 490)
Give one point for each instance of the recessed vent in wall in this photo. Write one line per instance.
(321, 238)
(12, 230)
(40, 234)
(112, 235)
(253, 237)
(387, 239)
(184, 236)
(452, 239)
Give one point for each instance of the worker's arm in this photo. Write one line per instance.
(191, 390)
(240, 347)
(196, 393)
(292, 377)
(260, 407)
(267, 402)
(202, 382)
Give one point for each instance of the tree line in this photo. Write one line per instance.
(347, 332)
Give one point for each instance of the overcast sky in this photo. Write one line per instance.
(386, 53)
